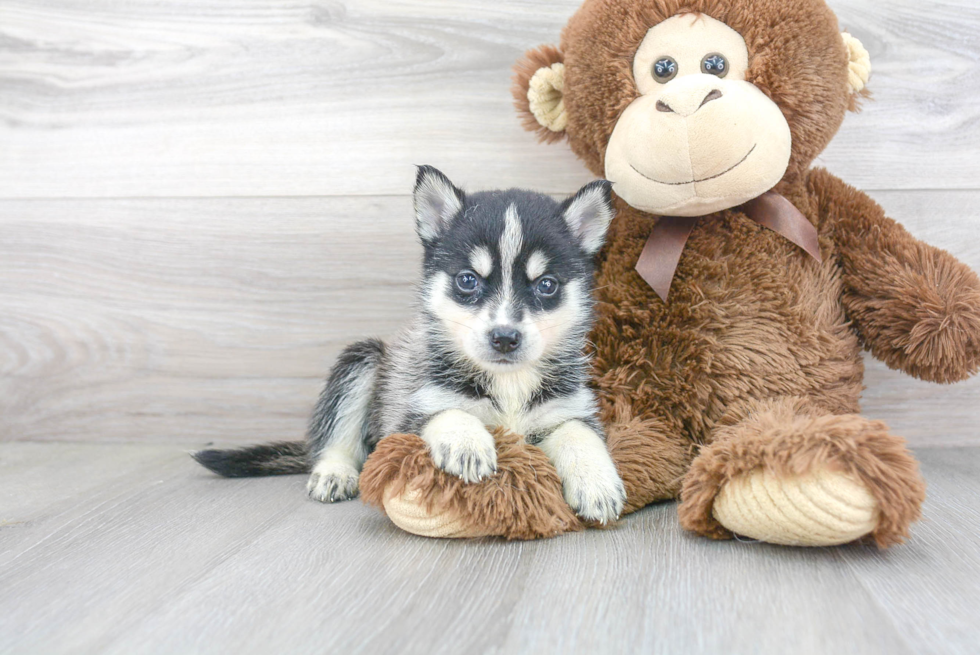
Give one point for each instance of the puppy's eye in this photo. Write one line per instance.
(664, 69)
(714, 64)
(467, 282)
(546, 286)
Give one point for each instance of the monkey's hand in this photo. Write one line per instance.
(916, 307)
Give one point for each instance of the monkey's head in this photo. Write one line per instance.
(693, 106)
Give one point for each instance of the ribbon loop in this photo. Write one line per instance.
(662, 252)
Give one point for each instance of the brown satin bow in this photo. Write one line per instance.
(663, 249)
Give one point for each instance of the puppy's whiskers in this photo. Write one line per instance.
(468, 327)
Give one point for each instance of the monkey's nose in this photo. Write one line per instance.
(714, 94)
(686, 104)
(505, 340)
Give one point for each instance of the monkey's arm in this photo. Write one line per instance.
(916, 307)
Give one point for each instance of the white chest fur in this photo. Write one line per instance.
(511, 411)
(512, 393)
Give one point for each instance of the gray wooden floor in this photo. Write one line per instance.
(202, 201)
(132, 548)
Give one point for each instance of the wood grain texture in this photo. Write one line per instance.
(257, 98)
(32, 488)
(168, 558)
(172, 275)
(189, 320)
(216, 319)
(945, 576)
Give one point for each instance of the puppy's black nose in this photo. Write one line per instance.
(505, 340)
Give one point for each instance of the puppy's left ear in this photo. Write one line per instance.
(588, 213)
(437, 202)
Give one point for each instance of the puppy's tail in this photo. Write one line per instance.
(340, 419)
(280, 458)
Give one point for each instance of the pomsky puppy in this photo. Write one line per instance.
(504, 309)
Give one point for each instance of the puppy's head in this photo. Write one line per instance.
(508, 274)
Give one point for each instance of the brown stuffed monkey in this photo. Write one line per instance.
(737, 390)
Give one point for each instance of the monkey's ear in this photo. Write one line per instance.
(858, 67)
(539, 84)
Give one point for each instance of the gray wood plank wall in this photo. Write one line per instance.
(201, 202)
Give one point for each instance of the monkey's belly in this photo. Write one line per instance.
(748, 317)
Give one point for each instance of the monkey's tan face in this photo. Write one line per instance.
(699, 138)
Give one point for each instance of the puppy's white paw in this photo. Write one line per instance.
(467, 459)
(460, 445)
(590, 483)
(333, 479)
(595, 496)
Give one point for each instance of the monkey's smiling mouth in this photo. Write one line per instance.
(703, 179)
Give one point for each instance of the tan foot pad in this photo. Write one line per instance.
(820, 508)
(408, 512)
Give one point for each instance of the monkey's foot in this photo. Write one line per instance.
(784, 473)
(522, 500)
(408, 511)
(819, 508)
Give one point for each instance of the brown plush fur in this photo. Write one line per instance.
(787, 436)
(650, 458)
(522, 501)
(755, 359)
(913, 305)
(797, 58)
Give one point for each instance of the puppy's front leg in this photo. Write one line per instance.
(590, 483)
(461, 445)
(335, 475)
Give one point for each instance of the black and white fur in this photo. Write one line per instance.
(504, 309)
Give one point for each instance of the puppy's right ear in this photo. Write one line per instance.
(538, 89)
(437, 201)
(588, 214)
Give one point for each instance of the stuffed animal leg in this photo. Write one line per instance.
(523, 500)
(787, 473)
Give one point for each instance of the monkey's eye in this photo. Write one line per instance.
(664, 69)
(714, 64)
(467, 282)
(546, 286)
